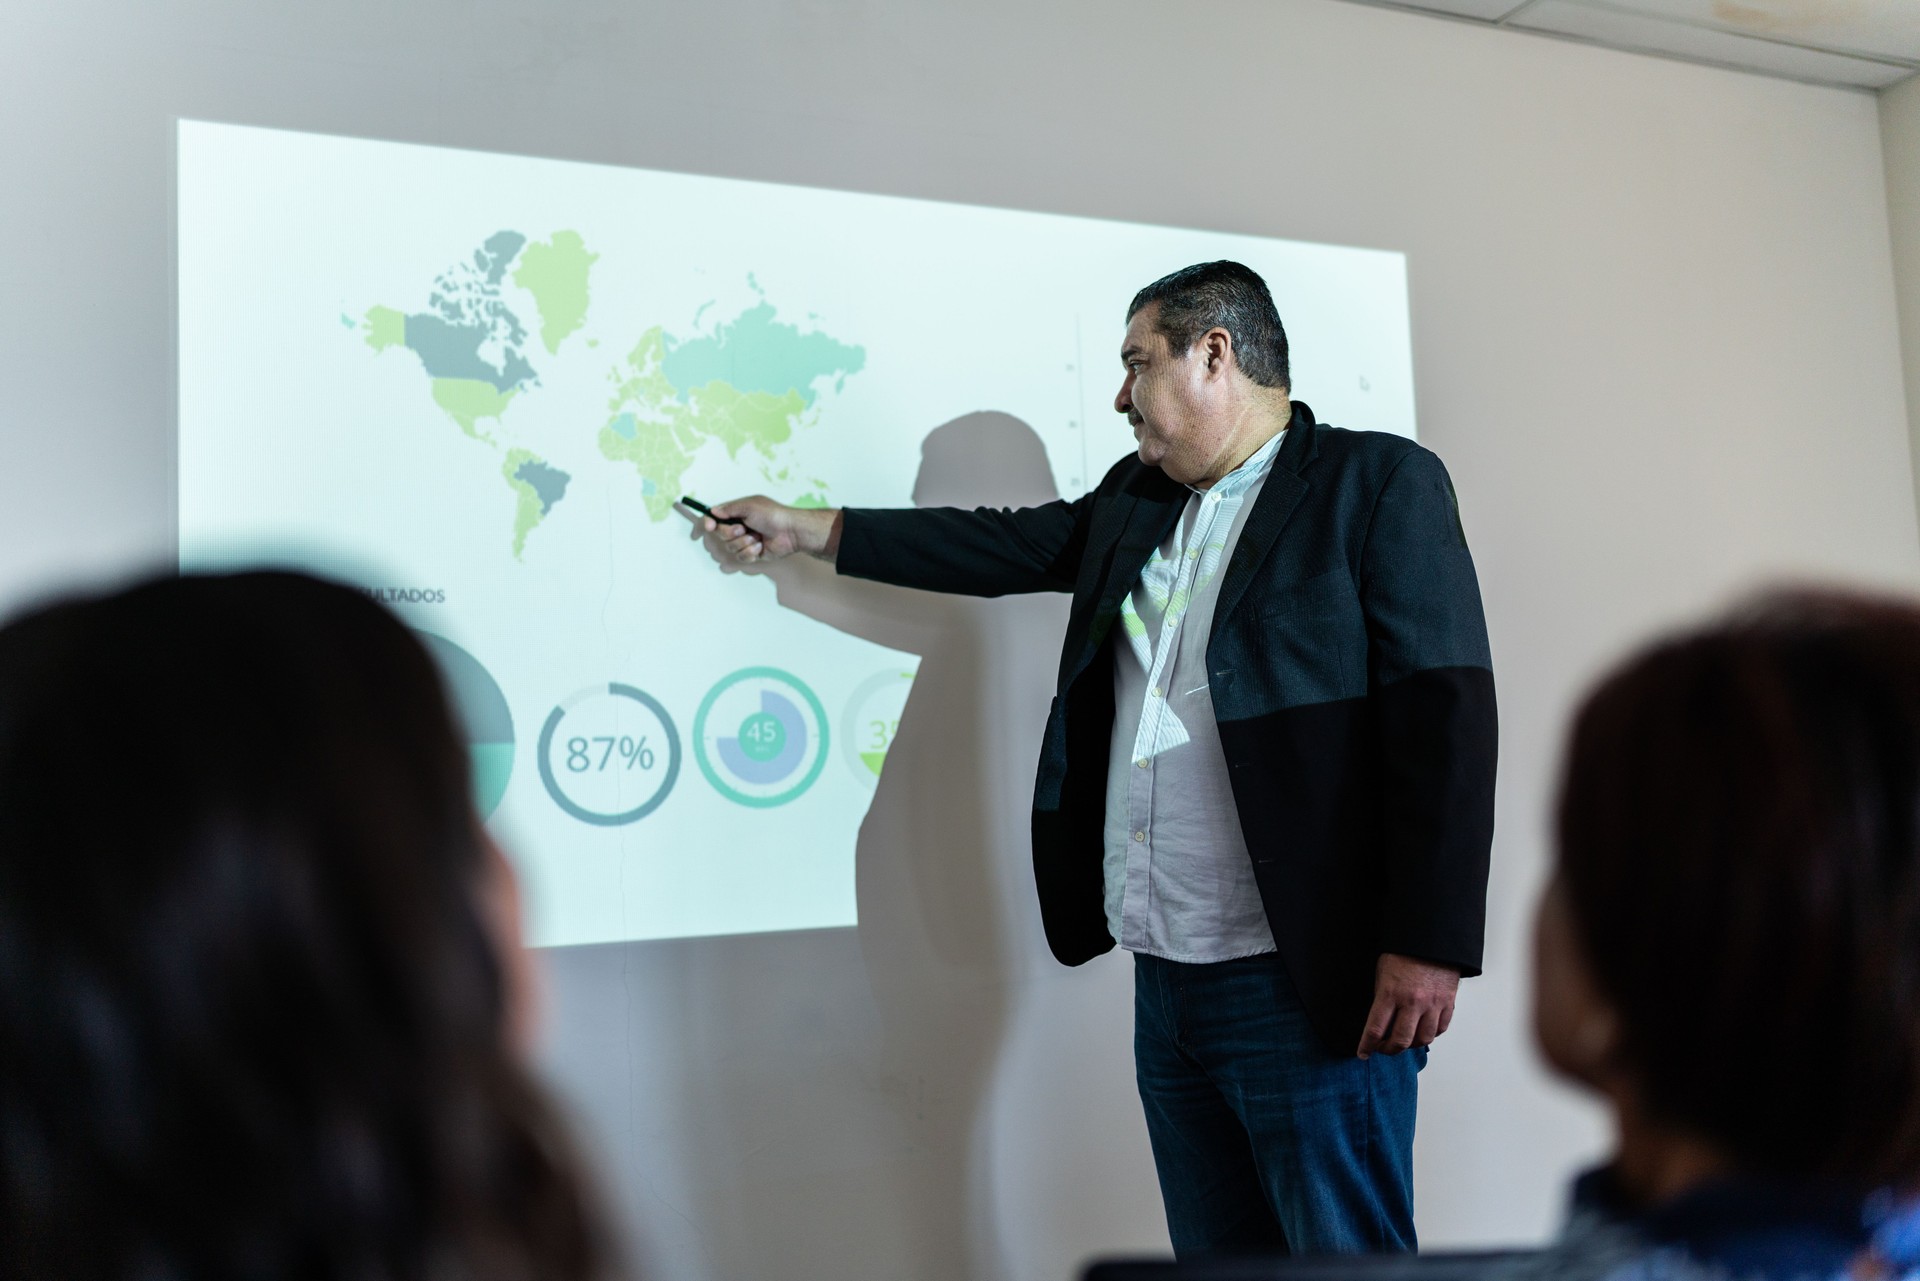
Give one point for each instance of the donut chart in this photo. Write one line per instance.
(609, 754)
(760, 737)
(870, 721)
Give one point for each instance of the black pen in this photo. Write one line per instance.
(696, 505)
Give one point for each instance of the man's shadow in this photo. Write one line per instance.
(925, 839)
(813, 1104)
(943, 876)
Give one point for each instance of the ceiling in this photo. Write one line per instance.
(1866, 44)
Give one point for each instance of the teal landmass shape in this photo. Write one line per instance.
(754, 352)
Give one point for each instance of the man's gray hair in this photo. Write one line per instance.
(1222, 295)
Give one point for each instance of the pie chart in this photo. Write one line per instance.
(484, 721)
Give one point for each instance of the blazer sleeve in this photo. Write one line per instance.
(984, 552)
(1430, 687)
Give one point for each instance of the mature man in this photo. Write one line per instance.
(1268, 769)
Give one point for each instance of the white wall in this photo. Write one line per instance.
(1900, 144)
(1654, 326)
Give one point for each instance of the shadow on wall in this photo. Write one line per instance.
(812, 1104)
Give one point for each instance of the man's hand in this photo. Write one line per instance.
(1412, 1004)
(773, 530)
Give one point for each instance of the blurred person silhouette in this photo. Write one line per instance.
(1728, 951)
(263, 1002)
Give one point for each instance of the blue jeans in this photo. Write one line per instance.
(1265, 1142)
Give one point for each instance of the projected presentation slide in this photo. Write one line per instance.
(475, 385)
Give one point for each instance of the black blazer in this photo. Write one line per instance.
(1351, 681)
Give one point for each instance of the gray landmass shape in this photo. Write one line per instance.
(497, 254)
(549, 484)
(450, 350)
(468, 313)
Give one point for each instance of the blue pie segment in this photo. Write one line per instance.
(746, 762)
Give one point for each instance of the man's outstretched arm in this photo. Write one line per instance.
(984, 552)
(771, 531)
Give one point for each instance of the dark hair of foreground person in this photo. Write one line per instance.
(256, 991)
(1728, 952)
(1740, 845)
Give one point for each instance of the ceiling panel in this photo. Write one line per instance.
(1865, 44)
(1629, 30)
(1882, 28)
(1486, 10)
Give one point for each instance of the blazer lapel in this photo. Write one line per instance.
(1280, 494)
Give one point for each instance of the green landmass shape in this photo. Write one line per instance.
(748, 387)
(659, 431)
(739, 419)
(874, 761)
(660, 450)
(811, 500)
(555, 272)
(529, 509)
(468, 400)
(385, 328)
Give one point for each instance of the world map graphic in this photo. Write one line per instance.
(745, 385)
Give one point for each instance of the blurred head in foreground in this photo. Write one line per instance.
(259, 963)
(1730, 946)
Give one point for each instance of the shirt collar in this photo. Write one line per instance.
(1256, 466)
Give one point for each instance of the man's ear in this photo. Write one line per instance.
(1217, 345)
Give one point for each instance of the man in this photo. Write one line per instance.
(1268, 769)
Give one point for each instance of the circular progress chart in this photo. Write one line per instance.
(872, 718)
(609, 754)
(760, 737)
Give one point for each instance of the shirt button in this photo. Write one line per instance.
(1141, 763)
(1139, 836)
(1193, 553)
(1155, 691)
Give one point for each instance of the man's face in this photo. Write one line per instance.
(1164, 396)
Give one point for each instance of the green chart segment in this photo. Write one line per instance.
(485, 721)
(760, 737)
(871, 720)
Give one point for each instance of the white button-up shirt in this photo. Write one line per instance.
(1179, 882)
